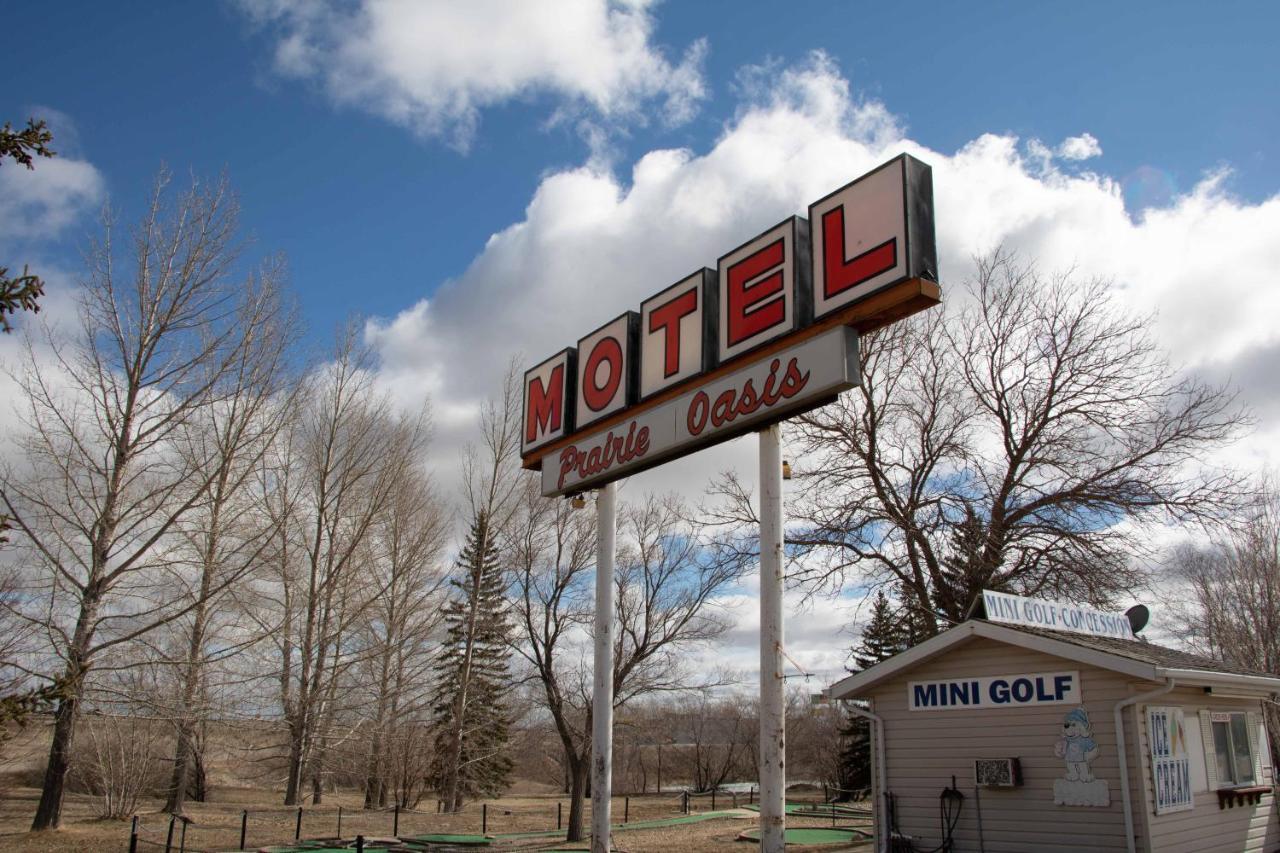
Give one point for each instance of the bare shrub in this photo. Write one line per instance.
(118, 761)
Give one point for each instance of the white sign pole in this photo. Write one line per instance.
(772, 698)
(602, 682)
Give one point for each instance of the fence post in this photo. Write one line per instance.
(133, 836)
(484, 818)
(339, 821)
(559, 816)
(244, 827)
(686, 802)
(751, 796)
(182, 845)
(735, 799)
(297, 830)
(168, 841)
(626, 809)
(359, 844)
(713, 799)
(395, 825)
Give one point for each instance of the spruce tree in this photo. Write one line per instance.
(883, 637)
(890, 630)
(470, 719)
(963, 575)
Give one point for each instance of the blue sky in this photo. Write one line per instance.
(484, 181)
(374, 217)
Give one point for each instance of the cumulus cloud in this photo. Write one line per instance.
(594, 242)
(1082, 147)
(37, 204)
(434, 65)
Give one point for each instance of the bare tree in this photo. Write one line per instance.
(720, 736)
(666, 583)
(407, 570)
(102, 487)
(227, 534)
(1021, 440)
(332, 476)
(1233, 612)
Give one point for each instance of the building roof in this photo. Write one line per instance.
(1141, 650)
(1136, 658)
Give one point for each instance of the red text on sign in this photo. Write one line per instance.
(753, 308)
(615, 450)
(606, 352)
(546, 406)
(839, 274)
(667, 318)
(734, 403)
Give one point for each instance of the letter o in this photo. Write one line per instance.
(1022, 690)
(606, 352)
(696, 420)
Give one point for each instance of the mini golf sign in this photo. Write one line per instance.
(997, 691)
(770, 333)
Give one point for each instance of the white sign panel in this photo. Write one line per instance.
(1054, 615)
(859, 238)
(677, 333)
(547, 390)
(604, 370)
(762, 284)
(1170, 762)
(807, 375)
(997, 691)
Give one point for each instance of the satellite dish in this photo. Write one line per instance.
(1139, 615)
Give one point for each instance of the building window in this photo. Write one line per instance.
(1231, 749)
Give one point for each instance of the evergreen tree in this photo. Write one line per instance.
(469, 704)
(963, 576)
(882, 638)
(855, 755)
(890, 630)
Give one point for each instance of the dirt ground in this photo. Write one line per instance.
(215, 826)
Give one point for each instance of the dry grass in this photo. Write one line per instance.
(216, 825)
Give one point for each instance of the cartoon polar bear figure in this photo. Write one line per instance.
(1076, 746)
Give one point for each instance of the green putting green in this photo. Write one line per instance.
(459, 839)
(810, 835)
(821, 809)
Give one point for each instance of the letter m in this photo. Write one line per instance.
(544, 407)
(926, 696)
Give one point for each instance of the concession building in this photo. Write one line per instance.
(1038, 726)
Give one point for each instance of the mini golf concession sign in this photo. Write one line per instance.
(1054, 615)
(770, 333)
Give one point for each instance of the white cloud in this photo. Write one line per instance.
(37, 204)
(1081, 147)
(434, 65)
(593, 243)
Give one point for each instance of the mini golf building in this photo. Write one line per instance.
(1002, 734)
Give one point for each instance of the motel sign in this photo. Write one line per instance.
(728, 350)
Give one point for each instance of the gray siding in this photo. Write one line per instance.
(1206, 828)
(928, 747)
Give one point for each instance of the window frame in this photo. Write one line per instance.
(1232, 747)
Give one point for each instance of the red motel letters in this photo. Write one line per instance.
(871, 234)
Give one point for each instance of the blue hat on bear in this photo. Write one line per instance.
(1078, 715)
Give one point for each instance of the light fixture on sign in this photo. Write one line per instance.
(578, 501)
(786, 470)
